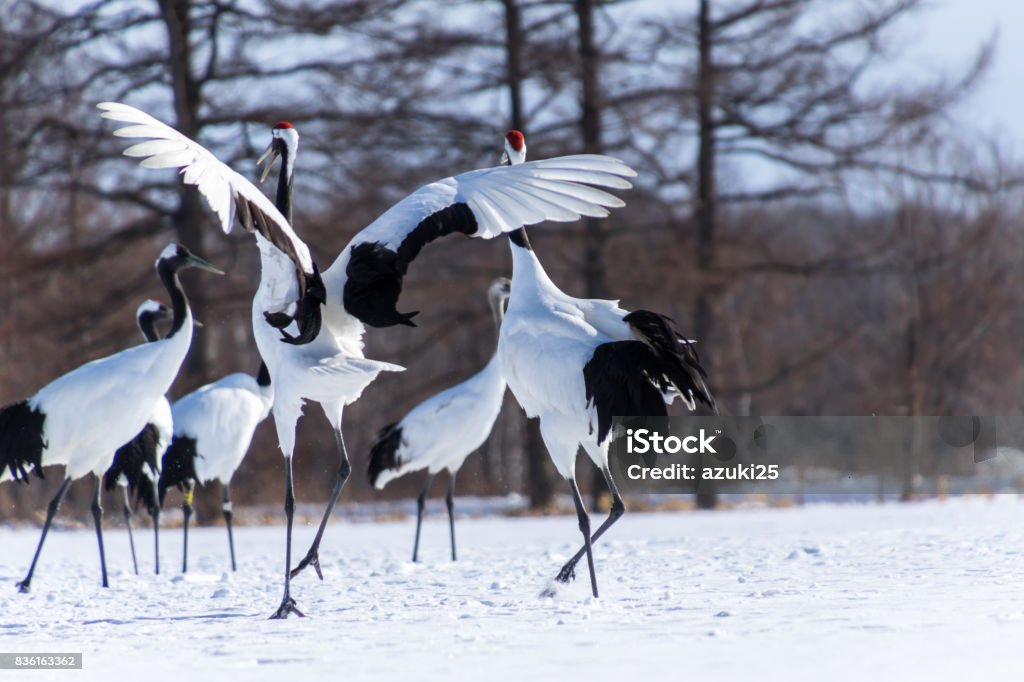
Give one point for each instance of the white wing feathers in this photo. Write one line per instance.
(228, 193)
(508, 197)
(505, 198)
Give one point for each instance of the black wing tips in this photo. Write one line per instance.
(130, 460)
(179, 465)
(629, 378)
(383, 453)
(21, 440)
(374, 272)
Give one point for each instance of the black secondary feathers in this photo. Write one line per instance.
(629, 378)
(131, 459)
(21, 440)
(374, 272)
(308, 312)
(382, 453)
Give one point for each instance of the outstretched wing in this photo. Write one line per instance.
(482, 203)
(229, 195)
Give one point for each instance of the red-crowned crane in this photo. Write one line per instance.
(576, 362)
(213, 428)
(82, 418)
(136, 464)
(309, 327)
(442, 431)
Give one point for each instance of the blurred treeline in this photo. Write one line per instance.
(812, 209)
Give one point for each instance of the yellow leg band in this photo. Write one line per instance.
(188, 497)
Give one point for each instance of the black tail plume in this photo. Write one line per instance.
(383, 452)
(21, 440)
(629, 378)
(132, 460)
(179, 465)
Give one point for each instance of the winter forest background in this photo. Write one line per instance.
(839, 241)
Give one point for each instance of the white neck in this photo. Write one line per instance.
(529, 280)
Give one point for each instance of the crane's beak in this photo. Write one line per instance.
(504, 161)
(197, 262)
(269, 156)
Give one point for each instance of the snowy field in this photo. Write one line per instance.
(929, 591)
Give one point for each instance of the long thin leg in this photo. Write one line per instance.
(450, 502)
(186, 508)
(154, 513)
(156, 535)
(97, 517)
(51, 511)
(568, 571)
(287, 603)
(421, 502)
(128, 524)
(344, 469)
(227, 520)
(584, 519)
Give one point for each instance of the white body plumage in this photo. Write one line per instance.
(95, 409)
(222, 417)
(439, 433)
(546, 339)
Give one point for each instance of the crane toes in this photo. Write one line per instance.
(287, 608)
(23, 587)
(568, 573)
(312, 558)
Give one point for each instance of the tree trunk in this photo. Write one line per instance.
(189, 217)
(915, 391)
(704, 210)
(595, 235)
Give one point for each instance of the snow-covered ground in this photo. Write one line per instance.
(929, 591)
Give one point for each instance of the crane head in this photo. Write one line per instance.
(284, 142)
(497, 296)
(178, 257)
(515, 148)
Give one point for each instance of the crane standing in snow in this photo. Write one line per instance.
(309, 327)
(213, 428)
(136, 464)
(575, 363)
(442, 431)
(82, 418)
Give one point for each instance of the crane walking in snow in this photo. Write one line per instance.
(309, 326)
(82, 418)
(136, 464)
(213, 427)
(442, 431)
(575, 363)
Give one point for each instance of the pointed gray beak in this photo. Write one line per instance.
(269, 156)
(197, 262)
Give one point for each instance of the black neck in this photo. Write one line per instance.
(169, 276)
(147, 324)
(519, 238)
(284, 185)
(263, 376)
